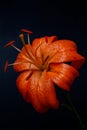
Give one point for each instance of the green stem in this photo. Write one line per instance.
(73, 109)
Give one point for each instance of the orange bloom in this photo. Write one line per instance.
(45, 62)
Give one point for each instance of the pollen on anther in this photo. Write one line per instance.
(9, 43)
(26, 31)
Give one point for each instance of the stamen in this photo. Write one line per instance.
(28, 32)
(7, 65)
(9, 43)
(16, 63)
(29, 44)
(21, 36)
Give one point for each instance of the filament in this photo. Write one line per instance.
(15, 63)
(28, 38)
(30, 49)
(16, 48)
(21, 36)
(23, 42)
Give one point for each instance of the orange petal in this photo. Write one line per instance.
(51, 39)
(22, 82)
(9, 44)
(38, 46)
(33, 93)
(65, 51)
(58, 81)
(63, 75)
(41, 43)
(44, 39)
(60, 46)
(68, 56)
(46, 92)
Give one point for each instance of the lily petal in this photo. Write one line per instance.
(63, 75)
(68, 56)
(33, 93)
(46, 92)
(40, 44)
(62, 45)
(37, 41)
(64, 51)
(22, 84)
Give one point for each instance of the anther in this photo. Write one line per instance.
(6, 66)
(9, 43)
(26, 31)
(21, 36)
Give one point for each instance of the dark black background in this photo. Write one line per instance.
(67, 20)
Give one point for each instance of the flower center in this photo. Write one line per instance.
(45, 64)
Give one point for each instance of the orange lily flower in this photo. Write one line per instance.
(43, 64)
